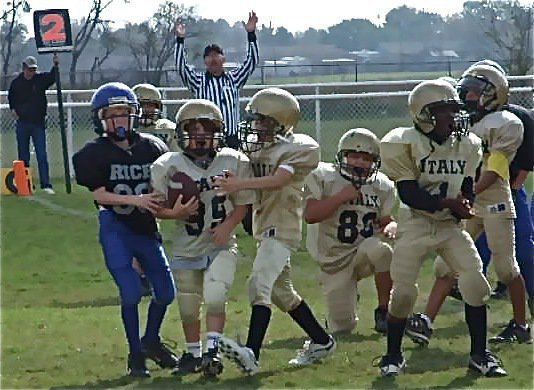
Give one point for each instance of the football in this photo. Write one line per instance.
(181, 184)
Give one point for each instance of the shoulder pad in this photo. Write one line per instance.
(401, 135)
(302, 139)
(232, 153)
(165, 124)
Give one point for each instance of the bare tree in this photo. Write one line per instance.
(109, 40)
(88, 26)
(509, 26)
(152, 42)
(11, 31)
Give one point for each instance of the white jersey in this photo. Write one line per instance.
(407, 154)
(192, 237)
(331, 240)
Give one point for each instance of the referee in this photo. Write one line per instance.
(216, 84)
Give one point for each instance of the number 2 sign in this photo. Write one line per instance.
(52, 30)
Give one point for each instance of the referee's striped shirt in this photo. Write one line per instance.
(223, 90)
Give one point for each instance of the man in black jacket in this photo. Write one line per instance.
(27, 101)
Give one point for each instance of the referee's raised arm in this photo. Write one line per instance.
(242, 72)
(191, 78)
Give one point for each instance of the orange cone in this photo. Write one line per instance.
(22, 179)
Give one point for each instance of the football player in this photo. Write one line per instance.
(484, 90)
(348, 204)
(204, 246)
(152, 122)
(115, 167)
(281, 160)
(433, 165)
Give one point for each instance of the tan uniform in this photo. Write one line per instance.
(501, 132)
(277, 219)
(407, 154)
(201, 269)
(345, 244)
(165, 130)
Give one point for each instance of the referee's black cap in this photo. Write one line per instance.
(213, 47)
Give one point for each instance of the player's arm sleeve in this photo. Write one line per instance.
(390, 198)
(397, 162)
(88, 172)
(244, 170)
(303, 159)
(313, 185)
(190, 77)
(507, 140)
(159, 176)
(243, 71)
(415, 197)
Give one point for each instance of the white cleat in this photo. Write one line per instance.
(242, 356)
(49, 191)
(312, 352)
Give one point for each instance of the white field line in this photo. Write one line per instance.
(60, 209)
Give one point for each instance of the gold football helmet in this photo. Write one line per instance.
(148, 94)
(430, 96)
(363, 141)
(270, 114)
(205, 112)
(487, 82)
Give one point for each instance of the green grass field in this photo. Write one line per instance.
(61, 325)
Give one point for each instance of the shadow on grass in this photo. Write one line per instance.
(435, 359)
(96, 302)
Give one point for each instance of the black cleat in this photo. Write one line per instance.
(137, 366)
(488, 365)
(212, 363)
(500, 291)
(513, 332)
(381, 320)
(419, 329)
(160, 354)
(390, 365)
(188, 364)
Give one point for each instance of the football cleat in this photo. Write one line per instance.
(312, 352)
(381, 320)
(211, 363)
(513, 332)
(488, 365)
(390, 365)
(137, 366)
(500, 291)
(419, 328)
(242, 356)
(188, 364)
(160, 354)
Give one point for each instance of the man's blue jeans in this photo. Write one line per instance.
(36, 131)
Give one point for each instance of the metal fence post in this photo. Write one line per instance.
(70, 136)
(317, 116)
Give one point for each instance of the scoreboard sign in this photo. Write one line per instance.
(52, 30)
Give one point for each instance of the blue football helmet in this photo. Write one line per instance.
(114, 95)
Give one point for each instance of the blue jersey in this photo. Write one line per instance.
(101, 163)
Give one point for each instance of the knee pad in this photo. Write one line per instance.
(378, 252)
(259, 291)
(215, 295)
(441, 269)
(286, 301)
(474, 288)
(506, 267)
(189, 306)
(402, 301)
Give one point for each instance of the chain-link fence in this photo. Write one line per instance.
(327, 111)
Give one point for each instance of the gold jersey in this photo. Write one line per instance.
(338, 236)
(501, 132)
(192, 237)
(165, 130)
(407, 154)
(278, 212)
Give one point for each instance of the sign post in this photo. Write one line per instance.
(52, 35)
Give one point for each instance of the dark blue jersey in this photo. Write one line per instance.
(101, 163)
(524, 158)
